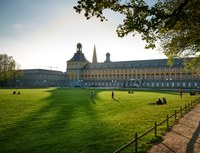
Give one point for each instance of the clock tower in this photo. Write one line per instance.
(75, 65)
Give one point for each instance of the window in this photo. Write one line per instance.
(142, 76)
(157, 76)
(183, 76)
(162, 76)
(189, 76)
(167, 76)
(178, 76)
(152, 76)
(195, 76)
(147, 76)
(173, 76)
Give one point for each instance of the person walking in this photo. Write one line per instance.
(91, 95)
(181, 92)
(112, 94)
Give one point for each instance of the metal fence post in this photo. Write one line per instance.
(185, 109)
(175, 115)
(188, 107)
(155, 132)
(136, 142)
(167, 121)
(181, 111)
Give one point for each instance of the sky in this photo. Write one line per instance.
(44, 34)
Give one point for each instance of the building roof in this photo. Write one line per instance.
(42, 71)
(94, 58)
(134, 64)
(78, 57)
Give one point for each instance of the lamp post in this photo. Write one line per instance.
(81, 83)
(114, 83)
(169, 81)
(45, 83)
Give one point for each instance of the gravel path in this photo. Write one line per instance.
(184, 137)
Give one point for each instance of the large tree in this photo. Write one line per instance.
(174, 24)
(8, 68)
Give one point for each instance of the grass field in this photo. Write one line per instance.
(64, 120)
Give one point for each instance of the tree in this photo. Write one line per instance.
(8, 68)
(175, 24)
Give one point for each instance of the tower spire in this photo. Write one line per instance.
(94, 58)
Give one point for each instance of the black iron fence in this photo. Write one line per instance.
(176, 115)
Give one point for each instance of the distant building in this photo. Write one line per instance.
(127, 74)
(41, 78)
(141, 73)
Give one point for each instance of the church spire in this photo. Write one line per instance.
(94, 58)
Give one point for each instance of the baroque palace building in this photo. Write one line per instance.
(142, 73)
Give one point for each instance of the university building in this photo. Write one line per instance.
(41, 78)
(128, 74)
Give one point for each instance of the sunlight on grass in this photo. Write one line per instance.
(67, 120)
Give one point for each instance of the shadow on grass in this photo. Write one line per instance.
(67, 123)
(115, 99)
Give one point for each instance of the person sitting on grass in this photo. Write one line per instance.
(164, 101)
(130, 92)
(159, 102)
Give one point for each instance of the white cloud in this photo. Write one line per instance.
(51, 41)
(18, 27)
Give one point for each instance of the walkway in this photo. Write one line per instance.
(184, 137)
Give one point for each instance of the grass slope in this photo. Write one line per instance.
(66, 120)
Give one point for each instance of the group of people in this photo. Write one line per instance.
(192, 93)
(160, 102)
(16, 93)
(91, 95)
(130, 92)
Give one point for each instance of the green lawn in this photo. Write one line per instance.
(64, 120)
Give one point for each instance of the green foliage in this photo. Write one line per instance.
(8, 68)
(66, 120)
(175, 23)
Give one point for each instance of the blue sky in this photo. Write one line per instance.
(44, 33)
